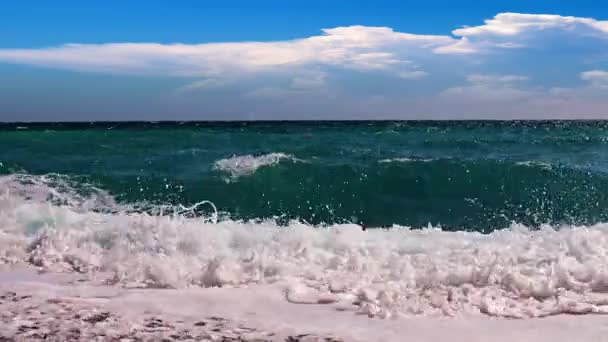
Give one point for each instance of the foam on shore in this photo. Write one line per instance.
(383, 273)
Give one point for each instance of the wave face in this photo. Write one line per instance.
(477, 176)
(381, 273)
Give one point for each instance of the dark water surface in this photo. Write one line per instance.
(459, 175)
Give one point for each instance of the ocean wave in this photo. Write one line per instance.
(453, 193)
(244, 165)
(516, 272)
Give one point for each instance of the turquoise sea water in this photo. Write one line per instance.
(458, 175)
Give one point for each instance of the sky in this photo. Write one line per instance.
(111, 60)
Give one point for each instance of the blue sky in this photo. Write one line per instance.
(383, 59)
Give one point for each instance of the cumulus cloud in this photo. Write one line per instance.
(533, 63)
(359, 48)
(354, 47)
(516, 30)
(511, 24)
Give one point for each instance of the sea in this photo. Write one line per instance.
(513, 208)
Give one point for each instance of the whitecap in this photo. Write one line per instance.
(245, 165)
(405, 160)
(535, 163)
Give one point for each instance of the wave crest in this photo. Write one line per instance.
(245, 165)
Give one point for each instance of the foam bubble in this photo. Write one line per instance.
(247, 164)
(383, 273)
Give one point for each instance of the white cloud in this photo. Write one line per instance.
(597, 78)
(362, 48)
(462, 46)
(511, 24)
(511, 96)
(485, 58)
(513, 30)
(354, 47)
(596, 87)
(304, 83)
(374, 61)
(490, 87)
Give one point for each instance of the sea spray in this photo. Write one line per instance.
(470, 175)
(516, 272)
(246, 165)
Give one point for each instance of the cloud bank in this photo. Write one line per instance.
(540, 65)
(354, 47)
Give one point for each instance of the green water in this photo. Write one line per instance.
(459, 175)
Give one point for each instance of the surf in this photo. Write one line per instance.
(383, 273)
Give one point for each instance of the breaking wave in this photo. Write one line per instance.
(245, 165)
(515, 272)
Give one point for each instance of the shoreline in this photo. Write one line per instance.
(66, 307)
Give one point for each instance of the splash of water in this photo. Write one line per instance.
(238, 166)
(383, 272)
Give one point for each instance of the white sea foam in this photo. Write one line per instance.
(404, 160)
(531, 163)
(247, 164)
(383, 273)
(55, 188)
